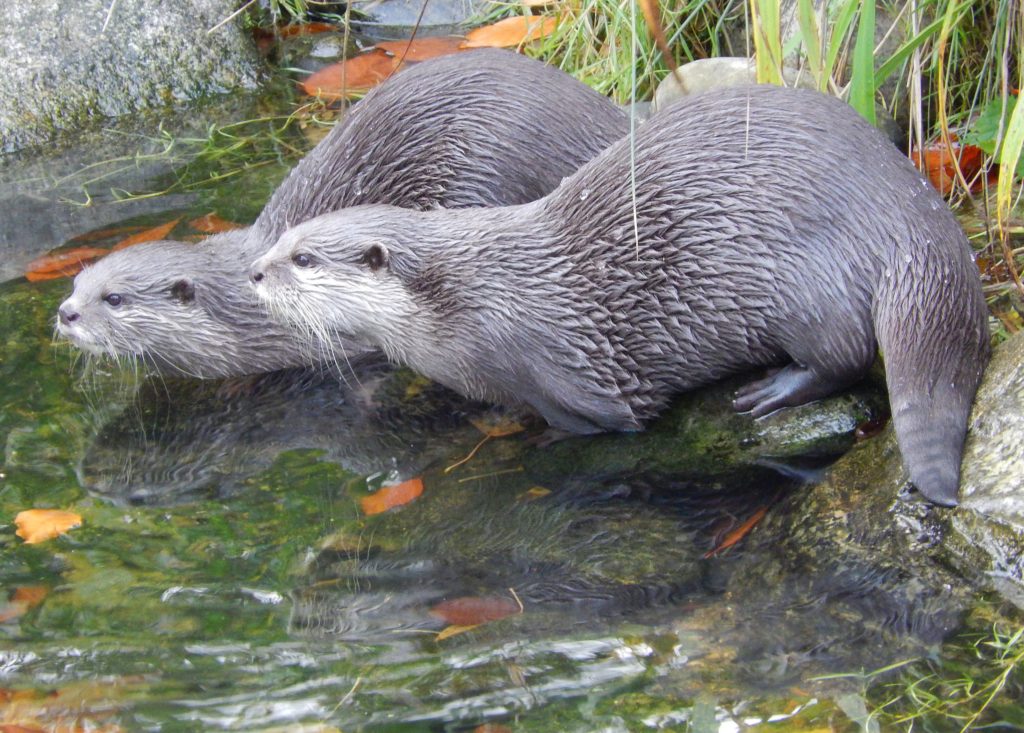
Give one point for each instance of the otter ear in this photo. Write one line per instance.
(376, 256)
(184, 291)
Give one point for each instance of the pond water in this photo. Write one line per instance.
(230, 573)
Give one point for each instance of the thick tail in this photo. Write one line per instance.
(931, 322)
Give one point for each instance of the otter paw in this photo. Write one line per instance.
(787, 387)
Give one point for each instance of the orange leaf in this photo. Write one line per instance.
(304, 29)
(39, 525)
(470, 611)
(422, 49)
(511, 31)
(24, 598)
(940, 165)
(496, 426)
(149, 235)
(351, 77)
(99, 234)
(737, 534)
(392, 496)
(450, 631)
(61, 264)
(213, 224)
(492, 728)
(31, 595)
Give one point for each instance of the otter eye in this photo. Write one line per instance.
(113, 299)
(375, 257)
(302, 260)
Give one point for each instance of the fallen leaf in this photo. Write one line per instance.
(213, 224)
(303, 29)
(39, 525)
(492, 728)
(473, 611)
(450, 631)
(513, 31)
(737, 534)
(149, 235)
(351, 77)
(98, 235)
(391, 496)
(940, 165)
(62, 264)
(871, 428)
(534, 492)
(422, 49)
(496, 426)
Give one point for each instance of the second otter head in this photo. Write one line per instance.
(351, 273)
(181, 307)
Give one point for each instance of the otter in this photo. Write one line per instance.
(768, 227)
(480, 128)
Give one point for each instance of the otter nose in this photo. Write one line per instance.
(68, 315)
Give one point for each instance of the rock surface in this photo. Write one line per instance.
(66, 63)
(397, 18)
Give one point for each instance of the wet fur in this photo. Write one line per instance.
(484, 128)
(776, 228)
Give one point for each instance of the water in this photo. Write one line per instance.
(227, 577)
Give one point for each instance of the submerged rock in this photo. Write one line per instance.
(68, 63)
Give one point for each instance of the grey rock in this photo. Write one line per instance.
(396, 18)
(66, 63)
(988, 527)
(715, 73)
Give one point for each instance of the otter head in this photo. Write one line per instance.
(349, 273)
(180, 307)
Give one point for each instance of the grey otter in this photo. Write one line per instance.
(782, 231)
(481, 128)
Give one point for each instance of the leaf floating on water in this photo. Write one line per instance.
(511, 31)
(149, 235)
(213, 224)
(39, 525)
(450, 631)
(422, 49)
(534, 492)
(23, 598)
(351, 77)
(62, 264)
(496, 426)
(737, 534)
(391, 496)
(472, 611)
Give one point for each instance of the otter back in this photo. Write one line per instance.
(768, 227)
(478, 128)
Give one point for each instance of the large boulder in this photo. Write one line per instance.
(66, 63)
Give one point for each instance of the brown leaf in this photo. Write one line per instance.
(392, 496)
(351, 77)
(513, 31)
(213, 224)
(473, 611)
(737, 534)
(422, 49)
(39, 525)
(149, 235)
(62, 264)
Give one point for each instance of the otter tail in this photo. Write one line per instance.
(930, 320)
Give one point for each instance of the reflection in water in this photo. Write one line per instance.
(181, 440)
(280, 603)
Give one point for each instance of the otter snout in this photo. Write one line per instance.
(67, 313)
